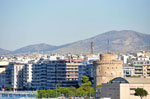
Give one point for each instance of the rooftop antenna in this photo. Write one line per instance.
(92, 48)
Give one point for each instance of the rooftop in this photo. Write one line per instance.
(131, 80)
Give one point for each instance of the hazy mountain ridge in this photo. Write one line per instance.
(119, 41)
(35, 48)
(3, 51)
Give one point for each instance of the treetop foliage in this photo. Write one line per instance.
(141, 92)
(84, 91)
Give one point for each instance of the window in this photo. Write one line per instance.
(132, 88)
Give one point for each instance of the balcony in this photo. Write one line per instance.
(72, 67)
(148, 72)
(148, 67)
(71, 70)
(72, 74)
(138, 72)
(72, 77)
(138, 67)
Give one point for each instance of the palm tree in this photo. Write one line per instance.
(141, 92)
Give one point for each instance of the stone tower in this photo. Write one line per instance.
(107, 68)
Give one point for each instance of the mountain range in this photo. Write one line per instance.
(123, 41)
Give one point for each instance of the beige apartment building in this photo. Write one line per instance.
(3, 65)
(142, 68)
(107, 68)
(123, 88)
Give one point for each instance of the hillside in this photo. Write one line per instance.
(119, 42)
(35, 48)
(3, 51)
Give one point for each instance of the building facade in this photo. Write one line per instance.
(18, 76)
(59, 73)
(14, 75)
(123, 88)
(3, 66)
(128, 71)
(27, 76)
(142, 68)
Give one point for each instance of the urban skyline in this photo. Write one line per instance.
(79, 49)
(104, 75)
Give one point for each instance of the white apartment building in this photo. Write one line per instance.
(14, 75)
(19, 76)
(27, 76)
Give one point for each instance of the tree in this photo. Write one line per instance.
(72, 91)
(64, 91)
(141, 92)
(98, 86)
(51, 93)
(80, 92)
(42, 93)
(85, 89)
(9, 88)
(85, 79)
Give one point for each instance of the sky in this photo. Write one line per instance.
(57, 22)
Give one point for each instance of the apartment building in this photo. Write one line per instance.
(27, 76)
(14, 75)
(2, 80)
(18, 76)
(3, 66)
(24, 73)
(141, 68)
(83, 70)
(50, 74)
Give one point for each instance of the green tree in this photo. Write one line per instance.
(64, 91)
(42, 94)
(85, 79)
(73, 92)
(141, 92)
(51, 93)
(9, 88)
(80, 92)
(98, 86)
(85, 89)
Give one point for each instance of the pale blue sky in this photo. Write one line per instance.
(57, 22)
